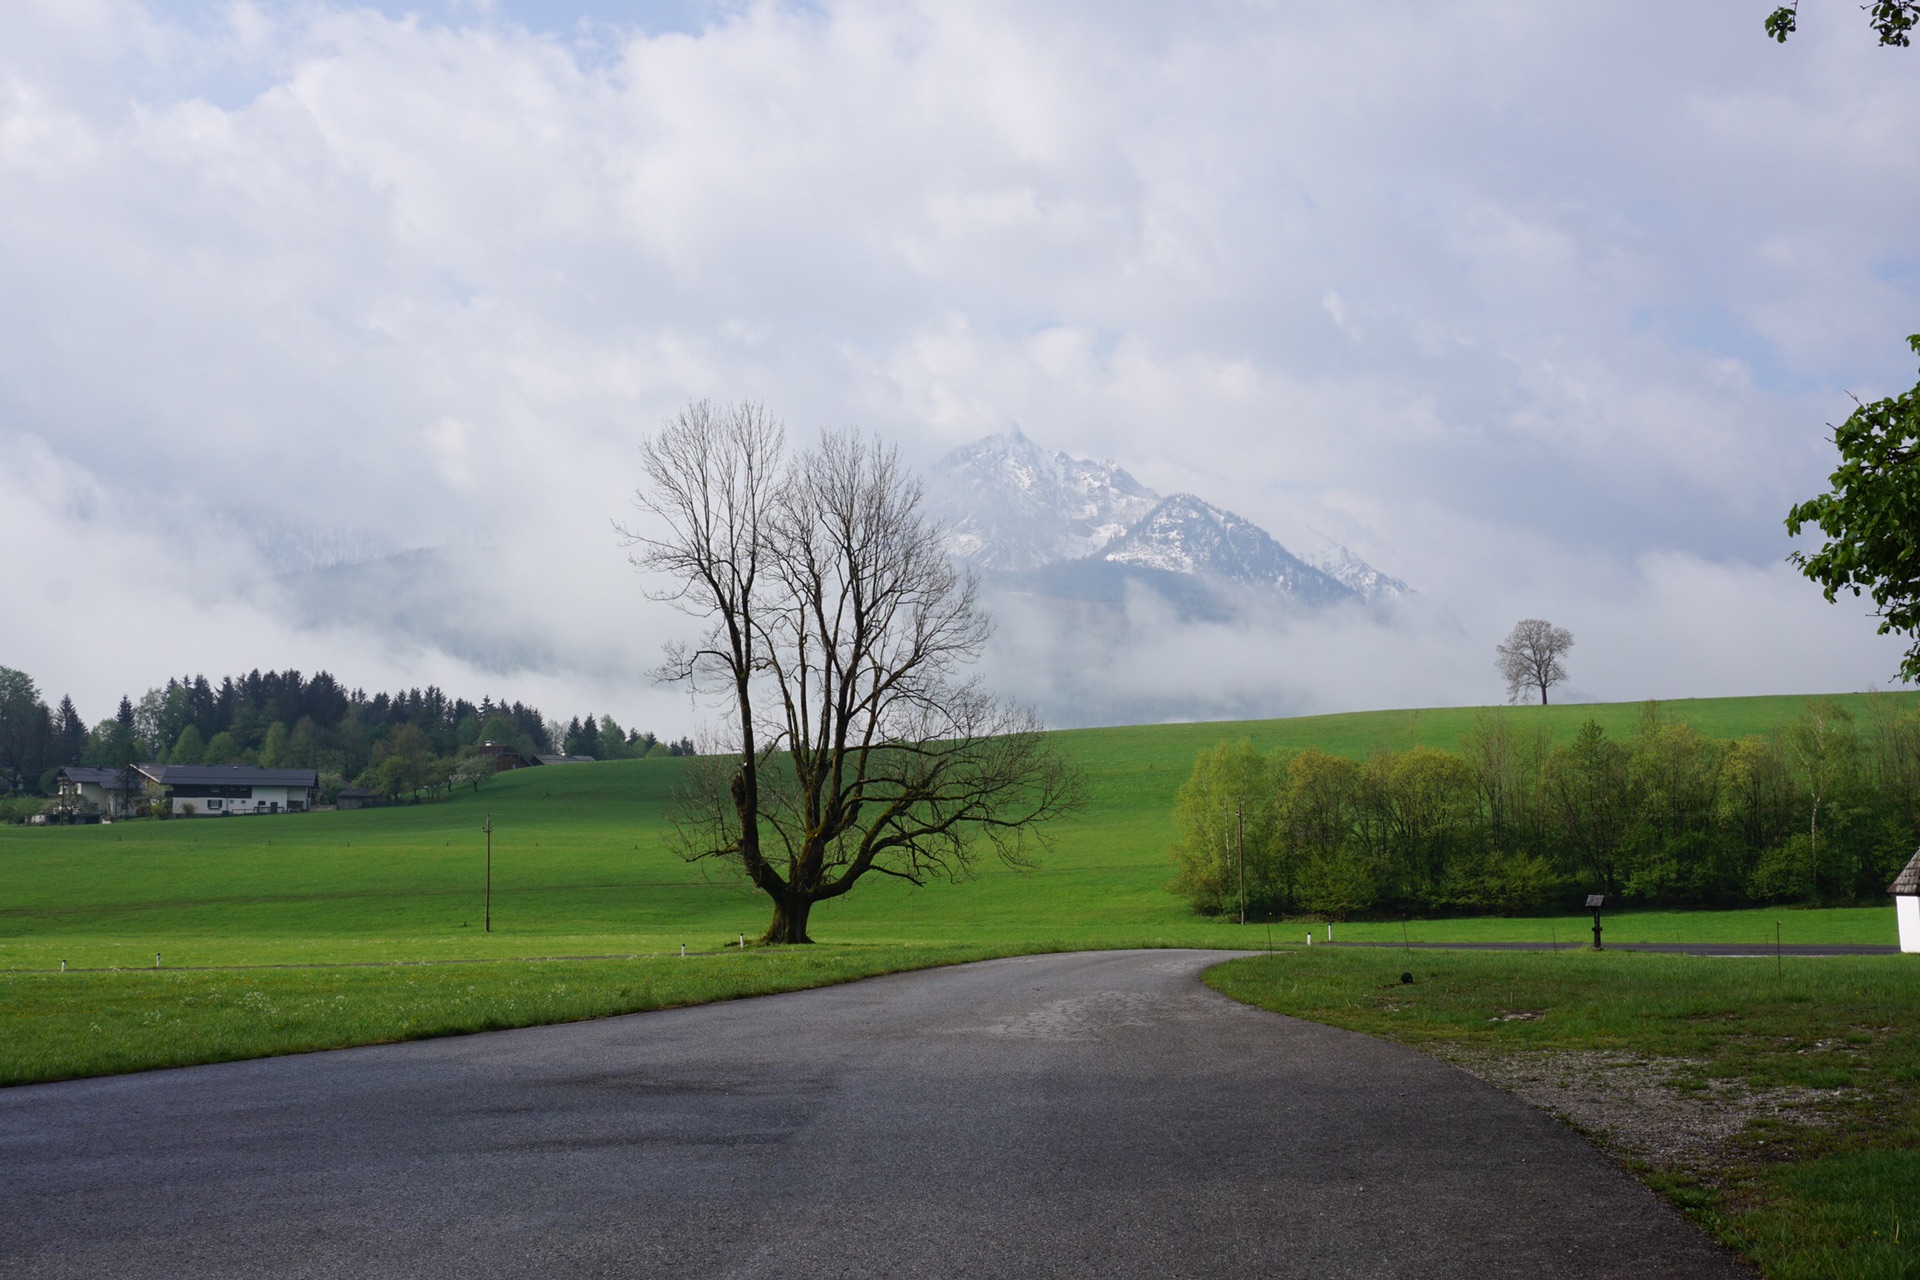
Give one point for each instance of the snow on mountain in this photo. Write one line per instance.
(1186, 535)
(1011, 505)
(1348, 569)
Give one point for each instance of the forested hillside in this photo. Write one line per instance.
(284, 719)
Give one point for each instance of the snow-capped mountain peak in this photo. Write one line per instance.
(1012, 506)
(1184, 534)
(1009, 504)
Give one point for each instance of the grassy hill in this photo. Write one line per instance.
(331, 929)
(580, 867)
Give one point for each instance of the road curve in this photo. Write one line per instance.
(1099, 1114)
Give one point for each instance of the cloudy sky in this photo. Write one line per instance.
(1541, 308)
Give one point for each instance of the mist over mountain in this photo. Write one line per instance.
(1116, 604)
(1045, 523)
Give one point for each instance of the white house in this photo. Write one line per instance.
(1906, 904)
(221, 789)
(87, 793)
(210, 789)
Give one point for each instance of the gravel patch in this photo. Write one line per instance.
(1659, 1111)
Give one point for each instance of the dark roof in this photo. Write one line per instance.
(1908, 881)
(98, 777)
(501, 750)
(229, 775)
(565, 759)
(356, 793)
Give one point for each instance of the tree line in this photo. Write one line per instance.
(1826, 809)
(398, 744)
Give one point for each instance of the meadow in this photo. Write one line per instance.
(581, 868)
(311, 931)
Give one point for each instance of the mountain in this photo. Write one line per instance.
(1009, 504)
(1050, 524)
(1185, 535)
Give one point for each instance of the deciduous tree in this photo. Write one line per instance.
(1891, 20)
(1871, 516)
(1592, 794)
(839, 637)
(1823, 750)
(1228, 817)
(1530, 657)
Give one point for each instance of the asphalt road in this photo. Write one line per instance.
(1081, 1115)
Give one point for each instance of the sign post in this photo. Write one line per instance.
(1594, 902)
(487, 918)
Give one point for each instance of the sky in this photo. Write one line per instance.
(1543, 309)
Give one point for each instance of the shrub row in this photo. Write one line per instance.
(1827, 809)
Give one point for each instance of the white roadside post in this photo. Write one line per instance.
(1906, 904)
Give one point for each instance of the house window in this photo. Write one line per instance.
(216, 804)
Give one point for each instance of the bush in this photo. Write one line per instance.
(17, 809)
(1784, 873)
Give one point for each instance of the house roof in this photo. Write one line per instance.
(502, 750)
(1908, 881)
(357, 793)
(229, 775)
(88, 774)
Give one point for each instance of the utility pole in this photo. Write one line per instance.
(1240, 819)
(487, 919)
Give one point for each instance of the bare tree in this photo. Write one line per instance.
(1530, 657)
(839, 635)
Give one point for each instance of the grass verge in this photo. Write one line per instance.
(64, 1025)
(1777, 1105)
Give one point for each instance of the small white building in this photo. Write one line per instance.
(1906, 904)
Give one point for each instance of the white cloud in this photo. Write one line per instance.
(312, 272)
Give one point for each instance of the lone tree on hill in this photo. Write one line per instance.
(838, 637)
(1530, 657)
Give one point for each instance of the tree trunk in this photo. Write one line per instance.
(789, 920)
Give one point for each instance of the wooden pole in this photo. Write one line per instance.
(1240, 817)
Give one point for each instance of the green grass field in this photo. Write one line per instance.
(580, 869)
(312, 931)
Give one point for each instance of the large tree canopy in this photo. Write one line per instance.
(1871, 517)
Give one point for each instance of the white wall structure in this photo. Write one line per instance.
(1906, 903)
(221, 790)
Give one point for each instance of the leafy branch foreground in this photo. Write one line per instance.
(61, 1026)
(1778, 1106)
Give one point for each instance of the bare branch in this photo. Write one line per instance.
(844, 635)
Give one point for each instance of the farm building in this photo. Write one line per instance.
(506, 757)
(234, 788)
